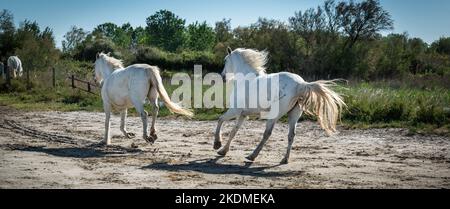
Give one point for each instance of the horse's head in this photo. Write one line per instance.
(98, 65)
(244, 61)
(101, 67)
(229, 68)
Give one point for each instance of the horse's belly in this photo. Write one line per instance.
(121, 102)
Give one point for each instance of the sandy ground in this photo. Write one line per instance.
(61, 150)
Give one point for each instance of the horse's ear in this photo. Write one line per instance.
(229, 50)
(97, 55)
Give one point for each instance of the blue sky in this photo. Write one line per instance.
(427, 19)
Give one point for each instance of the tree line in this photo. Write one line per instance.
(336, 39)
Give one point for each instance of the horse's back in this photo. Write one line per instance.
(14, 62)
(127, 84)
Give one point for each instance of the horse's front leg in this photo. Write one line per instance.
(14, 73)
(233, 132)
(123, 128)
(230, 114)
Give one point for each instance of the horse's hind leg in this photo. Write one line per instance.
(153, 98)
(233, 132)
(269, 127)
(123, 128)
(293, 117)
(140, 109)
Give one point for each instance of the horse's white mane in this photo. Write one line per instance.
(256, 59)
(111, 61)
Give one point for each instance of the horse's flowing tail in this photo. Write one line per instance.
(155, 79)
(316, 98)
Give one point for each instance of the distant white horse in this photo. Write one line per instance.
(123, 88)
(15, 65)
(295, 97)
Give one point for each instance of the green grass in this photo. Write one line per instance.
(369, 105)
(376, 106)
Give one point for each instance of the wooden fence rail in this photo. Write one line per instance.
(90, 86)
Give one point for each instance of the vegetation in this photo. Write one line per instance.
(409, 79)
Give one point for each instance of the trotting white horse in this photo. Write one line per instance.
(295, 97)
(123, 88)
(15, 65)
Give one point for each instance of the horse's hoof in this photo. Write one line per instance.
(134, 146)
(131, 135)
(250, 158)
(154, 136)
(149, 139)
(284, 162)
(217, 145)
(105, 143)
(222, 152)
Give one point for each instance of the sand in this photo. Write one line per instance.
(63, 150)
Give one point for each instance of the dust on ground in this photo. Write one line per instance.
(62, 150)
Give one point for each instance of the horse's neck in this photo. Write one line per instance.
(247, 70)
(107, 70)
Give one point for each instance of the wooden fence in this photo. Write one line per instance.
(85, 85)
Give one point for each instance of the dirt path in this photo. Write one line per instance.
(61, 150)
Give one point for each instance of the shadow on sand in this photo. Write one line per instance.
(211, 166)
(88, 151)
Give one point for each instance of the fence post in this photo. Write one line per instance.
(8, 77)
(53, 77)
(73, 81)
(28, 79)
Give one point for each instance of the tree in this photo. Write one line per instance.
(394, 55)
(223, 31)
(37, 49)
(416, 48)
(308, 25)
(273, 36)
(165, 30)
(121, 36)
(362, 20)
(73, 39)
(139, 36)
(200, 37)
(332, 19)
(106, 30)
(91, 46)
(7, 30)
(442, 46)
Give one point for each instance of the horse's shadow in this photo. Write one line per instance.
(88, 151)
(211, 166)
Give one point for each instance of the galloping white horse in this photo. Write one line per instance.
(295, 97)
(15, 65)
(123, 88)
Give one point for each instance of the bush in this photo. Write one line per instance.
(183, 60)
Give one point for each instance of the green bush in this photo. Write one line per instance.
(183, 60)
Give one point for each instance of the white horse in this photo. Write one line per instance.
(15, 65)
(295, 97)
(123, 88)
